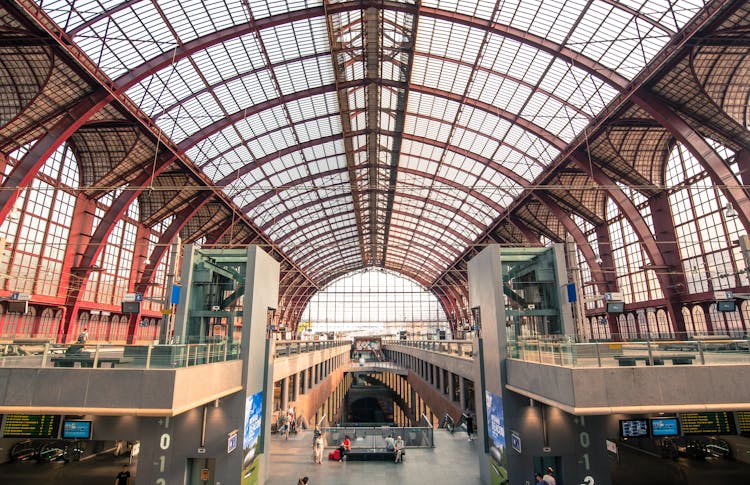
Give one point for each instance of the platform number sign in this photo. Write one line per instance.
(165, 441)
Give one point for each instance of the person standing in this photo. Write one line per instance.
(83, 337)
(469, 417)
(318, 450)
(549, 477)
(398, 448)
(538, 479)
(123, 478)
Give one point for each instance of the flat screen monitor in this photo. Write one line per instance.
(633, 428)
(665, 427)
(615, 307)
(725, 306)
(76, 430)
(131, 307)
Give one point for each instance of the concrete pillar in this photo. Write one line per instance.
(284, 393)
(461, 393)
(451, 393)
(439, 378)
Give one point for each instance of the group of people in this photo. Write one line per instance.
(546, 479)
(397, 446)
(287, 422)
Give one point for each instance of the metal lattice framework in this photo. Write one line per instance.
(399, 134)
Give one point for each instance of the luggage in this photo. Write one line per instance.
(335, 455)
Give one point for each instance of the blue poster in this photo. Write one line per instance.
(253, 423)
(496, 433)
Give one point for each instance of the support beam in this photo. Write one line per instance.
(717, 168)
(664, 272)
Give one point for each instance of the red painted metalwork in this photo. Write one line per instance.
(26, 169)
(715, 166)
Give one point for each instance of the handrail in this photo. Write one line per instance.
(285, 348)
(714, 351)
(98, 355)
(459, 348)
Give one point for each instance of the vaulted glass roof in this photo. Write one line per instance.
(360, 134)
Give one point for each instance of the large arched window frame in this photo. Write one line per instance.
(110, 282)
(375, 302)
(37, 230)
(636, 283)
(705, 235)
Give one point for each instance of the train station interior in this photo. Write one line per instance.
(396, 241)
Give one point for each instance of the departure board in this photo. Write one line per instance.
(743, 418)
(31, 426)
(707, 423)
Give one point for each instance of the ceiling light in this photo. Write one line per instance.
(729, 211)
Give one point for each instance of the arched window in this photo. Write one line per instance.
(109, 284)
(664, 323)
(704, 233)
(717, 321)
(375, 302)
(632, 328)
(634, 282)
(699, 322)
(37, 229)
(48, 323)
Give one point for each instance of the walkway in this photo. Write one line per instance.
(452, 461)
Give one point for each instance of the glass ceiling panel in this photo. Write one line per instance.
(224, 79)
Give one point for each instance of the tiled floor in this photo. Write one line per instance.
(452, 461)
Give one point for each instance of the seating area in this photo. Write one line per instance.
(371, 454)
(676, 359)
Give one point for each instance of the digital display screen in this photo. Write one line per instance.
(31, 426)
(615, 307)
(665, 427)
(633, 428)
(707, 423)
(77, 429)
(725, 306)
(743, 419)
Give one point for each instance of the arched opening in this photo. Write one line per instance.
(375, 302)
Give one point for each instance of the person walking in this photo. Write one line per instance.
(123, 478)
(469, 417)
(83, 337)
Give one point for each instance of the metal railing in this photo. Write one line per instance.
(374, 437)
(701, 351)
(150, 356)
(285, 348)
(459, 348)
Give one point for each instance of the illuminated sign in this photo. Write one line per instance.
(31, 426)
(707, 423)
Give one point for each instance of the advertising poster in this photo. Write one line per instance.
(253, 423)
(496, 433)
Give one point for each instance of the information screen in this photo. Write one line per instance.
(633, 428)
(743, 418)
(665, 427)
(31, 426)
(707, 423)
(77, 429)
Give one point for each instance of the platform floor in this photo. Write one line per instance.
(452, 461)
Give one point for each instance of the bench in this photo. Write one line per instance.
(86, 360)
(371, 454)
(658, 359)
